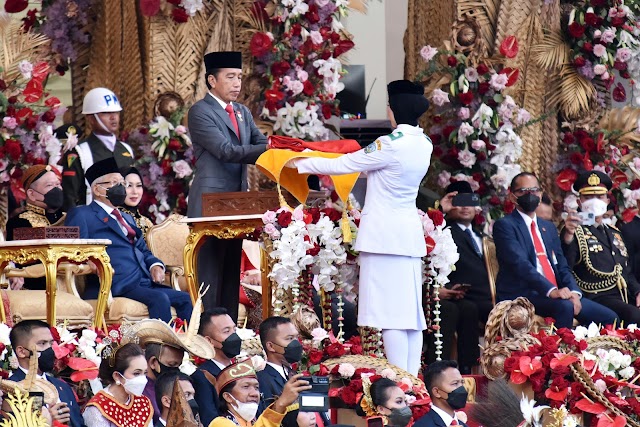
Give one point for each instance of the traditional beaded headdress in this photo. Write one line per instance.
(367, 403)
(115, 339)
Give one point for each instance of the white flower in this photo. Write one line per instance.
(632, 327)
(464, 114)
(601, 385)
(187, 367)
(4, 334)
(523, 117)
(182, 169)
(498, 81)
(319, 334)
(245, 334)
(593, 330)
(192, 6)
(346, 370)
(439, 97)
(427, 53)
(161, 128)
(467, 158)
(258, 363)
(316, 37)
(26, 68)
(481, 120)
(580, 332)
(9, 122)
(478, 144)
(531, 413)
(388, 373)
(627, 372)
(13, 361)
(464, 131)
(66, 336)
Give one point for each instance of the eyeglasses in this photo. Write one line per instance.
(528, 190)
(113, 183)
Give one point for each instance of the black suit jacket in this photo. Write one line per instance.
(631, 236)
(471, 267)
(206, 395)
(65, 393)
(432, 419)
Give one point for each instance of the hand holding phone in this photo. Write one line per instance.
(464, 287)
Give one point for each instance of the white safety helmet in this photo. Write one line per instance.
(100, 100)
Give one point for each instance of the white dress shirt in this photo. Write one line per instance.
(221, 102)
(278, 368)
(109, 141)
(474, 236)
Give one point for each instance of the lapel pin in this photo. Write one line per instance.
(105, 219)
(239, 116)
(544, 229)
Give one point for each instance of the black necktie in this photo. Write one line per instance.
(473, 241)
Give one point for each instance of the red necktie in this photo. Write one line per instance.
(131, 234)
(232, 116)
(542, 256)
(453, 423)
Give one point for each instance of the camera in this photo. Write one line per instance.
(316, 399)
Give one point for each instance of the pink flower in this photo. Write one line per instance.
(10, 123)
(26, 68)
(599, 69)
(388, 373)
(303, 76)
(597, 34)
(272, 231)
(180, 130)
(298, 214)
(523, 117)
(605, 76)
(608, 35)
(599, 50)
(269, 217)
(613, 11)
(182, 169)
(623, 54)
(428, 52)
(467, 158)
(463, 113)
(439, 97)
(316, 37)
(471, 74)
(498, 81)
(444, 179)
(464, 131)
(478, 144)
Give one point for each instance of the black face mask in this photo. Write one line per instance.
(46, 360)
(293, 351)
(117, 194)
(54, 198)
(164, 369)
(457, 399)
(232, 345)
(400, 417)
(528, 202)
(195, 409)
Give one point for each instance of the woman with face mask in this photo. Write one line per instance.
(385, 399)
(121, 404)
(239, 394)
(135, 191)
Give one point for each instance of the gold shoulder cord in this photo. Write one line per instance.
(35, 219)
(610, 280)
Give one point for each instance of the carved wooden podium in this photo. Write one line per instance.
(228, 216)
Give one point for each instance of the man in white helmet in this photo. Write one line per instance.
(102, 110)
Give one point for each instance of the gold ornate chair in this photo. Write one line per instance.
(491, 261)
(31, 304)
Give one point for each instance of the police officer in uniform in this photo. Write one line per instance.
(102, 108)
(41, 184)
(390, 239)
(597, 252)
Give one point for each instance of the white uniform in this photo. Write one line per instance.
(390, 238)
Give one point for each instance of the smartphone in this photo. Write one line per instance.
(463, 287)
(466, 199)
(38, 400)
(587, 218)
(375, 422)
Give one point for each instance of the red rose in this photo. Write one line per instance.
(466, 98)
(561, 371)
(284, 218)
(333, 214)
(447, 131)
(436, 216)
(342, 46)
(619, 94)
(149, 7)
(511, 363)
(620, 66)
(635, 184)
(587, 47)
(315, 214)
(437, 152)
(479, 219)
(576, 158)
(15, 6)
(508, 206)
(549, 344)
(355, 349)
(452, 61)
(315, 250)
(494, 200)
(315, 357)
(48, 116)
(356, 385)
(308, 88)
(180, 15)
(568, 138)
(296, 29)
(348, 396)
(509, 47)
(174, 144)
(617, 21)
(312, 15)
(261, 44)
(576, 30)
(579, 62)
(326, 111)
(176, 188)
(174, 2)
(13, 149)
(278, 69)
(482, 69)
(323, 372)
(334, 37)
(592, 20)
(335, 350)
(360, 371)
(483, 88)
(588, 144)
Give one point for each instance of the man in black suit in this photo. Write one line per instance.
(217, 327)
(30, 334)
(164, 394)
(631, 235)
(446, 388)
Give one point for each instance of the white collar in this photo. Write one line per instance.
(464, 227)
(278, 368)
(220, 101)
(108, 209)
(527, 219)
(219, 364)
(162, 421)
(408, 129)
(26, 372)
(445, 417)
(109, 141)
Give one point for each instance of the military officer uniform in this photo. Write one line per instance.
(77, 161)
(600, 259)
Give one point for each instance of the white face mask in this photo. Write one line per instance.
(610, 221)
(247, 411)
(595, 206)
(135, 385)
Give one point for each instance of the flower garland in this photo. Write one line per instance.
(475, 125)
(603, 38)
(26, 123)
(442, 256)
(166, 166)
(298, 63)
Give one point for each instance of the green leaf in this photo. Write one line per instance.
(314, 369)
(498, 98)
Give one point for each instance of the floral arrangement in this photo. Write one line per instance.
(442, 256)
(27, 114)
(179, 10)
(475, 125)
(166, 166)
(603, 39)
(298, 63)
(547, 367)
